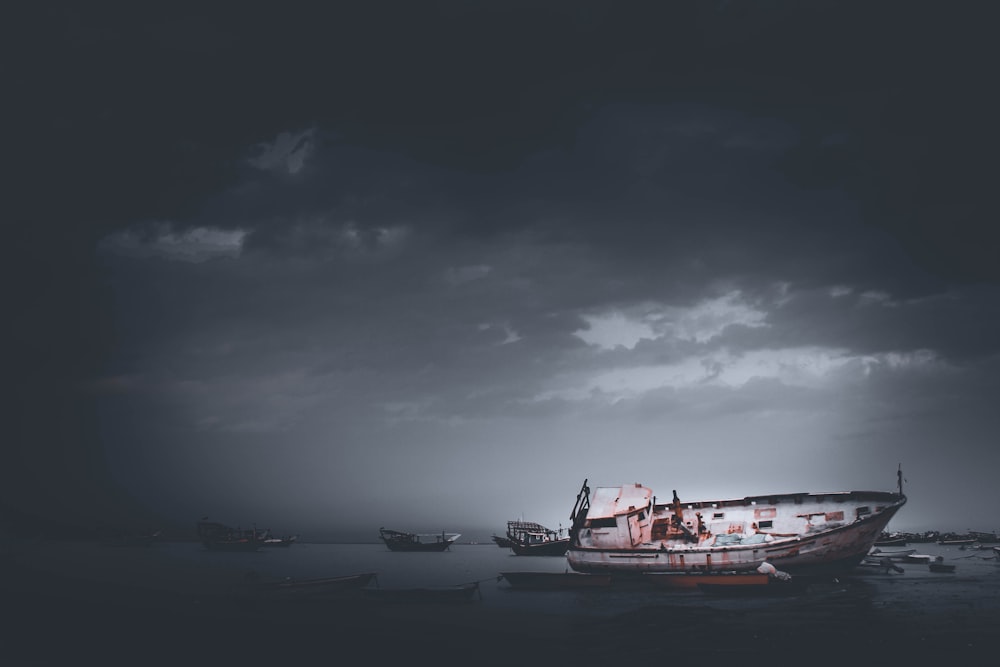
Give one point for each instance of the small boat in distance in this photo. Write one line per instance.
(528, 538)
(272, 541)
(623, 529)
(289, 588)
(398, 540)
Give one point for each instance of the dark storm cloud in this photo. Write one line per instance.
(418, 196)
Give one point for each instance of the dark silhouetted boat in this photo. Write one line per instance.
(528, 538)
(290, 588)
(400, 541)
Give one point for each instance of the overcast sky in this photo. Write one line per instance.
(430, 265)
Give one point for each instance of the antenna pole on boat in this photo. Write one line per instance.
(899, 479)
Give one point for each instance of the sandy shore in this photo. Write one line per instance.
(60, 617)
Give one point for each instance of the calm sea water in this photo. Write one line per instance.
(186, 566)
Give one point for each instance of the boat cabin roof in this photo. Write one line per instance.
(611, 501)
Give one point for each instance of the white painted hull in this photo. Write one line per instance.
(804, 533)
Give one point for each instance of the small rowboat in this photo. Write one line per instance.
(301, 588)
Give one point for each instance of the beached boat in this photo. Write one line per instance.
(430, 594)
(624, 529)
(220, 537)
(400, 541)
(555, 580)
(528, 538)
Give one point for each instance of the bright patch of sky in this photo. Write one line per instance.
(288, 152)
(699, 323)
(800, 367)
(161, 240)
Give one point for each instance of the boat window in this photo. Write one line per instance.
(863, 511)
(765, 524)
(608, 522)
(718, 515)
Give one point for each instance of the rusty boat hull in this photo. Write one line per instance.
(624, 530)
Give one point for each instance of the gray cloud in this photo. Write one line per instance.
(357, 255)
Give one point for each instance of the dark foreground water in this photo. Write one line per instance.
(179, 604)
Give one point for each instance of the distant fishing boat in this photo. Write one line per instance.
(624, 529)
(528, 538)
(398, 540)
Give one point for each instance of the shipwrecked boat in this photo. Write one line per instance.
(622, 529)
